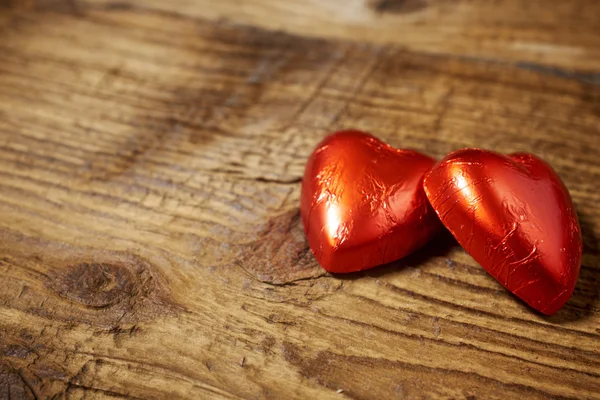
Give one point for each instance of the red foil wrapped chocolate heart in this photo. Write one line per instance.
(515, 217)
(363, 203)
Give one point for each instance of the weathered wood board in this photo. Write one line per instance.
(150, 160)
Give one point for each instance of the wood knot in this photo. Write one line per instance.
(281, 254)
(97, 285)
(110, 290)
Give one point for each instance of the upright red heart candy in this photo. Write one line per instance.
(515, 217)
(363, 202)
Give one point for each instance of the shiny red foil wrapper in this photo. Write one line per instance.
(514, 215)
(363, 202)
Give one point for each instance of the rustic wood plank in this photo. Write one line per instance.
(558, 33)
(151, 243)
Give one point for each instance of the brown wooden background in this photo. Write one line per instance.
(150, 159)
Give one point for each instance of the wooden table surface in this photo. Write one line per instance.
(151, 154)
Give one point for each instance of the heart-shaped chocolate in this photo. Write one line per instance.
(515, 217)
(363, 202)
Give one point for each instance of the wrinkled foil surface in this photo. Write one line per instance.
(363, 202)
(514, 215)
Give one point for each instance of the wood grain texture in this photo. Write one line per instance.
(151, 245)
(549, 32)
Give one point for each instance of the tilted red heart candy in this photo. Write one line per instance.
(515, 217)
(363, 202)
